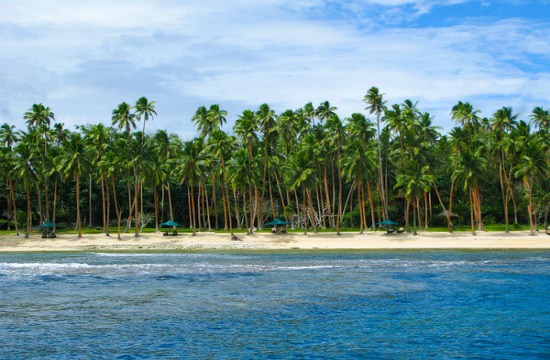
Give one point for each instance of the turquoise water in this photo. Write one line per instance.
(379, 305)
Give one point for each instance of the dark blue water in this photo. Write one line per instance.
(379, 305)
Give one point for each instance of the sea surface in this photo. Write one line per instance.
(276, 305)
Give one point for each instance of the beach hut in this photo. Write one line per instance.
(47, 229)
(387, 223)
(170, 224)
(278, 225)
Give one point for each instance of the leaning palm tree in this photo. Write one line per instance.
(75, 160)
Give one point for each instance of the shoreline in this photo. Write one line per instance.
(205, 241)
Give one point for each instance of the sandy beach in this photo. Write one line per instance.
(268, 241)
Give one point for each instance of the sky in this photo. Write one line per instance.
(83, 58)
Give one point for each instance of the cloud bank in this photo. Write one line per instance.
(83, 58)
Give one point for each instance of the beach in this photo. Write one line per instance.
(266, 241)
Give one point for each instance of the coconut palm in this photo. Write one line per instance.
(415, 180)
(325, 111)
(300, 173)
(24, 172)
(533, 164)
(124, 118)
(75, 160)
(502, 123)
(377, 105)
(189, 171)
(144, 109)
(222, 146)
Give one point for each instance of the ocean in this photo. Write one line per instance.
(276, 305)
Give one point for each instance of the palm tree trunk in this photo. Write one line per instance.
(207, 207)
(108, 206)
(327, 196)
(136, 210)
(12, 194)
(312, 211)
(40, 210)
(504, 193)
(214, 201)
(193, 210)
(170, 200)
(472, 205)
(90, 203)
(447, 213)
(415, 201)
(155, 200)
(371, 202)
(28, 230)
(237, 214)
(78, 219)
(117, 210)
(304, 205)
(529, 185)
(104, 206)
(250, 224)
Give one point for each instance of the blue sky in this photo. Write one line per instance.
(84, 58)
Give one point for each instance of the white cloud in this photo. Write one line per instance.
(82, 59)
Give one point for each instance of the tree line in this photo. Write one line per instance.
(308, 166)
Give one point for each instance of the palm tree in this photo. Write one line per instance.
(533, 165)
(222, 145)
(377, 105)
(465, 115)
(502, 123)
(415, 180)
(469, 168)
(75, 160)
(124, 118)
(189, 171)
(267, 121)
(335, 138)
(24, 172)
(97, 138)
(325, 111)
(8, 137)
(301, 174)
(146, 109)
(359, 165)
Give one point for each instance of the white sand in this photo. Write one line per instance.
(268, 241)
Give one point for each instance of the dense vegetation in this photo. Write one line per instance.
(307, 166)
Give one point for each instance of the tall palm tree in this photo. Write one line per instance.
(189, 171)
(502, 123)
(300, 173)
(8, 137)
(23, 171)
(75, 160)
(221, 145)
(359, 165)
(377, 105)
(267, 121)
(533, 165)
(415, 180)
(335, 138)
